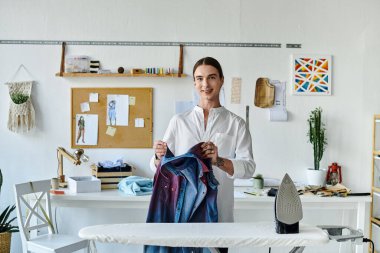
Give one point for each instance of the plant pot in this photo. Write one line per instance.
(316, 177)
(258, 183)
(5, 242)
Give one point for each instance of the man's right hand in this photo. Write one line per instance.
(160, 148)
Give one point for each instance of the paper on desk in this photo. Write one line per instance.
(85, 107)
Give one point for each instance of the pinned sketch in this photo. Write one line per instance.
(86, 129)
(139, 122)
(236, 90)
(278, 111)
(111, 131)
(94, 97)
(85, 107)
(117, 110)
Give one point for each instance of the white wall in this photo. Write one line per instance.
(346, 29)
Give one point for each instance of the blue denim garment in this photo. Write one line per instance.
(135, 185)
(185, 190)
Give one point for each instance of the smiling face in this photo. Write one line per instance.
(208, 83)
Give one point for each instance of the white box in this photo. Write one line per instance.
(376, 236)
(84, 184)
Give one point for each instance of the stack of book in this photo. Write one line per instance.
(110, 177)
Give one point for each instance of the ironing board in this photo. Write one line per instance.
(210, 235)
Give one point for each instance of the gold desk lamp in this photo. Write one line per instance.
(76, 158)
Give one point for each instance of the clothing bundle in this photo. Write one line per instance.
(135, 185)
(184, 190)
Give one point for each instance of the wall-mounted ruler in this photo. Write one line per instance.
(147, 43)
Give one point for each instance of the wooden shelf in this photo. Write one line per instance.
(374, 220)
(117, 75)
(375, 189)
(62, 72)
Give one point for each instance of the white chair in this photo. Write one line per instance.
(30, 217)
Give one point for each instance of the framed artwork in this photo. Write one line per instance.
(311, 75)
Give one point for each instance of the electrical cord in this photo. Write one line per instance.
(372, 244)
(270, 249)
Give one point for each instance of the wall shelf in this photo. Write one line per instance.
(62, 72)
(117, 75)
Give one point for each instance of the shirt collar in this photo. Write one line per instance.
(215, 110)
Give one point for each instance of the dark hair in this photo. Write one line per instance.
(209, 61)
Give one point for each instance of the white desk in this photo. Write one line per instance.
(116, 199)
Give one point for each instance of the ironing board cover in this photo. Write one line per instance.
(260, 234)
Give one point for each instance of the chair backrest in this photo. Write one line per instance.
(32, 200)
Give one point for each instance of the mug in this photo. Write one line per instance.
(54, 183)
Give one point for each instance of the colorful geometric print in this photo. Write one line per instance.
(311, 75)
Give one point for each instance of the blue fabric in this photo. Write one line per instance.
(185, 190)
(135, 185)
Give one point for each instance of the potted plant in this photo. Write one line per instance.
(317, 137)
(258, 181)
(6, 227)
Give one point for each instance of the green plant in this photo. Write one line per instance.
(5, 221)
(258, 176)
(317, 135)
(19, 98)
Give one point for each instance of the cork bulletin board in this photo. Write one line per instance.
(125, 136)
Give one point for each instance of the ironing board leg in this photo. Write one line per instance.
(297, 249)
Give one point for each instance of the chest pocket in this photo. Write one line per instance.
(226, 145)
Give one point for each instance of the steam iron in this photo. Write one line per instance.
(287, 207)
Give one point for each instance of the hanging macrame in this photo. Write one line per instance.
(21, 111)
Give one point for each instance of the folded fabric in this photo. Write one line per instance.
(135, 185)
(110, 164)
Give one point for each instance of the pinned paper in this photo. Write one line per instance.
(278, 111)
(139, 122)
(94, 97)
(236, 90)
(111, 131)
(85, 107)
(132, 100)
(183, 106)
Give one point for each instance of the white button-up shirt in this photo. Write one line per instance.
(229, 133)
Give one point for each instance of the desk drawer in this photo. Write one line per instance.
(376, 236)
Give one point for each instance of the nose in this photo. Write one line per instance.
(204, 82)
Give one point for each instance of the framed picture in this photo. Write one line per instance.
(311, 75)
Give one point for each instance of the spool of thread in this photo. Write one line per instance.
(120, 70)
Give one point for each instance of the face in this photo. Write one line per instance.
(208, 82)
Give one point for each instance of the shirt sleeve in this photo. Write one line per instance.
(169, 138)
(244, 164)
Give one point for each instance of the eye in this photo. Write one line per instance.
(198, 79)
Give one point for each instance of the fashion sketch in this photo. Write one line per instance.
(112, 112)
(81, 128)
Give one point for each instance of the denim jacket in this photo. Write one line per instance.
(184, 190)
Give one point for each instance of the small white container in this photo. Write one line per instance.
(376, 236)
(84, 184)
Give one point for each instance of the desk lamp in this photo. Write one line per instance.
(76, 158)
